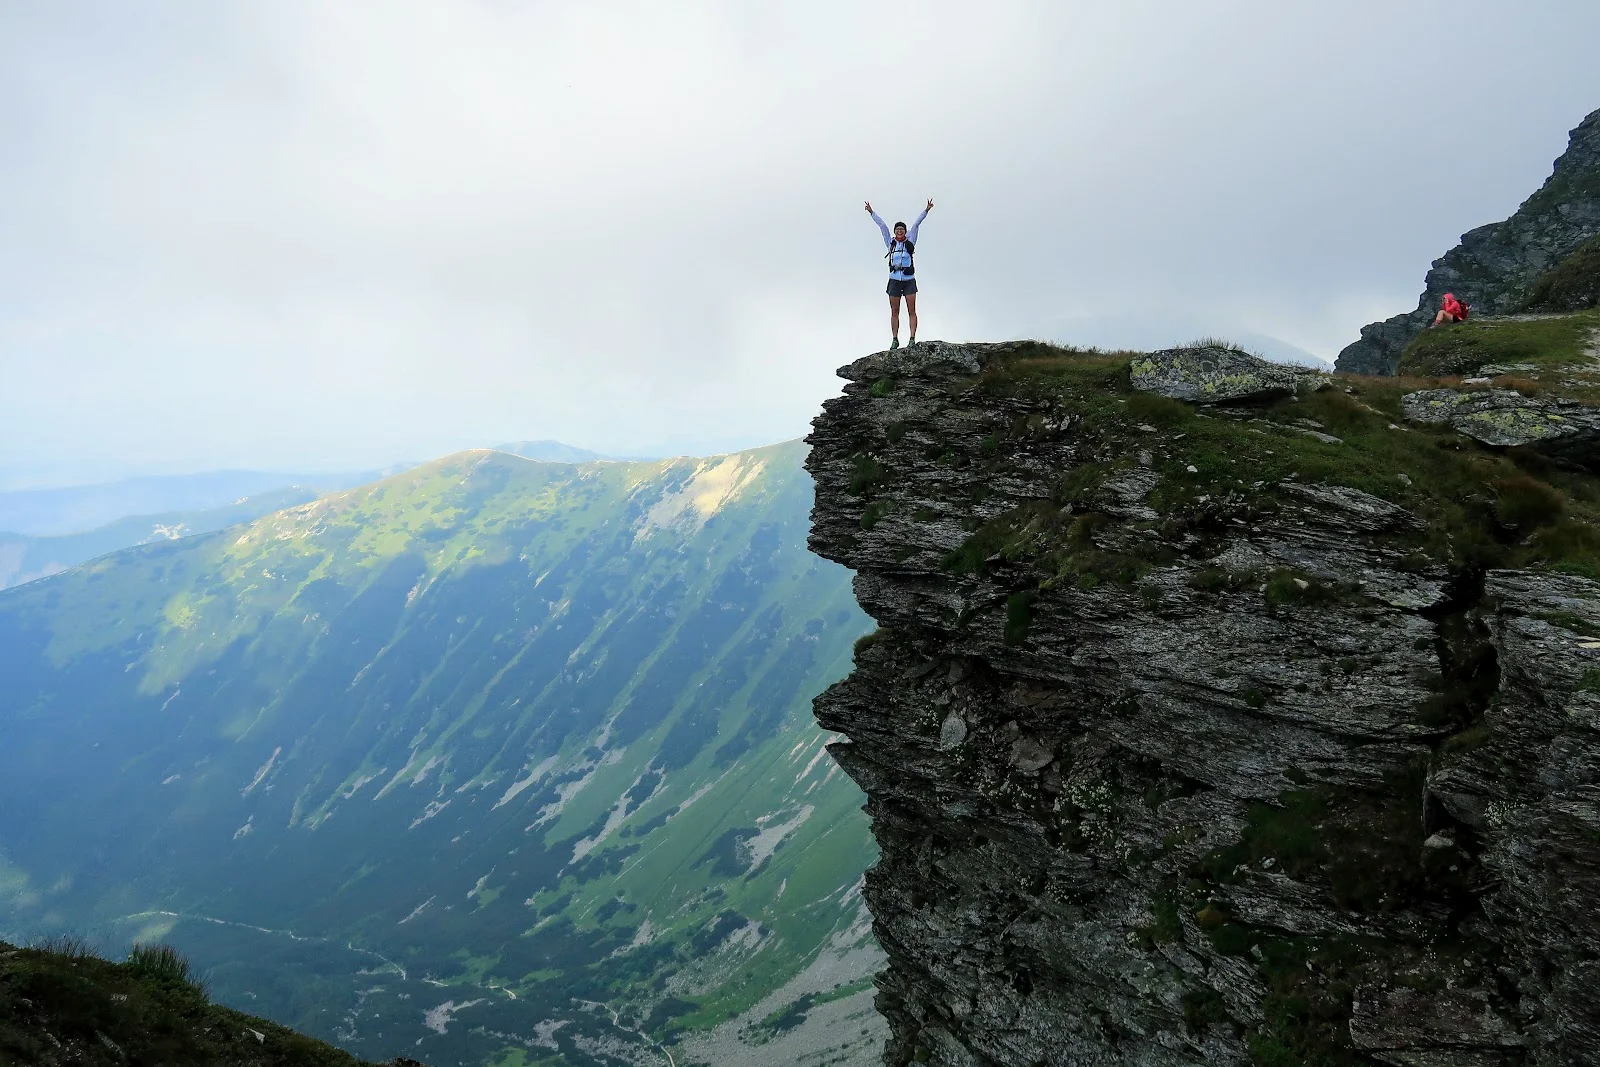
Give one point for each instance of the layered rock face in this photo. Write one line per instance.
(1495, 268)
(1182, 747)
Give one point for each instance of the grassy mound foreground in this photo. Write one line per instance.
(61, 1004)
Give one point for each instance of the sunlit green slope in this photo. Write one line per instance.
(456, 764)
(24, 558)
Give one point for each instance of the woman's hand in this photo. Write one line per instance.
(869, 206)
(930, 203)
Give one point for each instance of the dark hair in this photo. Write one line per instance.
(899, 225)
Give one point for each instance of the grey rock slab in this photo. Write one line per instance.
(953, 731)
(1505, 418)
(920, 358)
(1360, 509)
(1130, 488)
(1403, 1019)
(1213, 374)
(1029, 755)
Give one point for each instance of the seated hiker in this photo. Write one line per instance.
(902, 246)
(1452, 310)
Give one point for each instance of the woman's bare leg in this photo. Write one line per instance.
(911, 310)
(894, 316)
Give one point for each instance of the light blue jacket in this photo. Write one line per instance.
(899, 258)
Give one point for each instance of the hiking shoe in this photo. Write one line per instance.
(912, 341)
(894, 344)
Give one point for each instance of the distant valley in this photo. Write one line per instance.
(493, 761)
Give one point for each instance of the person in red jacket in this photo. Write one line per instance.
(1452, 310)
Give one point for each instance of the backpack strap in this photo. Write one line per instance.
(911, 251)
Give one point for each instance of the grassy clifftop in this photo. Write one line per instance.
(1534, 344)
(1203, 470)
(60, 1004)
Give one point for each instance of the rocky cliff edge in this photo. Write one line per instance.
(1218, 714)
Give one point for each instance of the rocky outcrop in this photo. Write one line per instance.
(1571, 285)
(1216, 374)
(1525, 784)
(1169, 765)
(1506, 418)
(1495, 266)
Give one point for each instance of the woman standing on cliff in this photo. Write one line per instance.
(902, 247)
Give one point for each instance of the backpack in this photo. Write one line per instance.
(910, 269)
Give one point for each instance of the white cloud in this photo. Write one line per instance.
(298, 234)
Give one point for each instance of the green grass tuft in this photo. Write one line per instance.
(1203, 1009)
(161, 963)
(867, 475)
(1526, 504)
(1019, 616)
(873, 513)
(65, 946)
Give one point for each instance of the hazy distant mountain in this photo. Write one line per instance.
(81, 508)
(1158, 330)
(1279, 350)
(460, 763)
(23, 559)
(550, 451)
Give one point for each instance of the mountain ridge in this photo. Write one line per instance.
(64, 510)
(1495, 267)
(515, 731)
(25, 559)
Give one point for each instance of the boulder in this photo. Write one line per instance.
(1505, 418)
(1214, 374)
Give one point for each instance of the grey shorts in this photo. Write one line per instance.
(902, 288)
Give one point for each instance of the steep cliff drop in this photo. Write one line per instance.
(1497, 268)
(1219, 714)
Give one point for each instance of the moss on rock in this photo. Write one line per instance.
(1208, 470)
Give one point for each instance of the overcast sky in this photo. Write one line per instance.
(323, 235)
